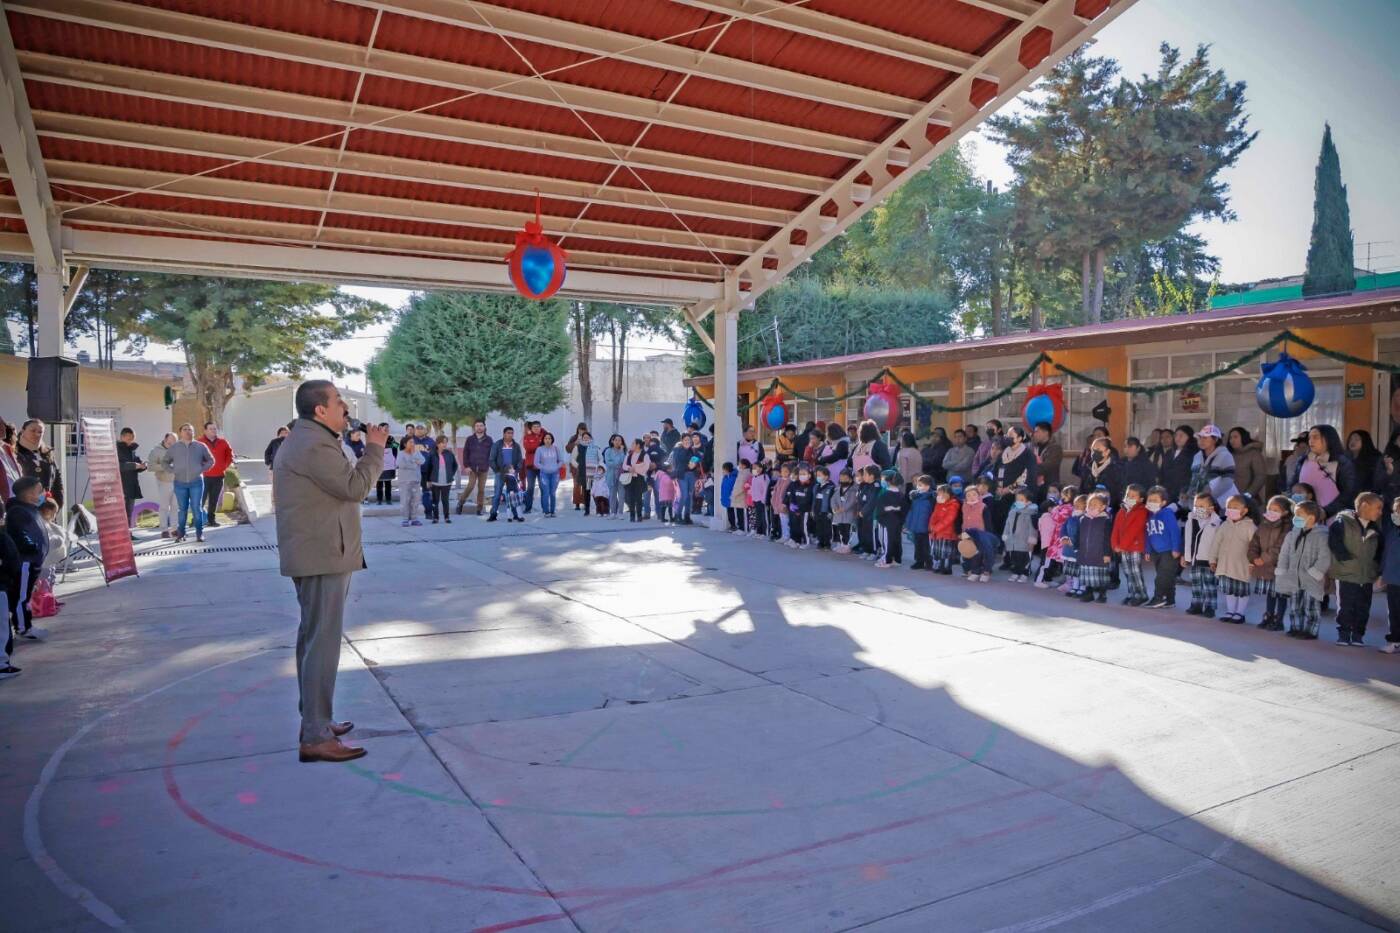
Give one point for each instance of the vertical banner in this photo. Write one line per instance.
(108, 503)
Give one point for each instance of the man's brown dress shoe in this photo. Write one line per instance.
(340, 728)
(330, 750)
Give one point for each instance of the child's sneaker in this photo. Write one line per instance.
(415, 523)
(985, 578)
(8, 671)
(1194, 609)
(1042, 585)
(1208, 613)
(1158, 603)
(1344, 640)
(1392, 648)
(406, 522)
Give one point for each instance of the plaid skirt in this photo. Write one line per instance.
(1232, 587)
(1264, 587)
(944, 549)
(1071, 568)
(1094, 578)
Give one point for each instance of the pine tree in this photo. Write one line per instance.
(1330, 260)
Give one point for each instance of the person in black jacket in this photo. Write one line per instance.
(131, 467)
(823, 504)
(889, 517)
(25, 527)
(798, 502)
(932, 456)
(1014, 466)
(1137, 465)
(868, 482)
(1176, 462)
(9, 572)
(36, 459)
(1106, 470)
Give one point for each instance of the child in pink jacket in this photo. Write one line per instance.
(667, 494)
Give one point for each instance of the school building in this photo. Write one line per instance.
(1147, 351)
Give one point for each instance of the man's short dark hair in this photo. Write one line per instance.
(310, 395)
(507, 428)
(209, 424)
(1044, 426)
(125, 431)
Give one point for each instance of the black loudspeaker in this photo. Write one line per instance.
(53, 389)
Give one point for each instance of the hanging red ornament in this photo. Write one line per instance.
(773, 412)
(882, 405)
(537, 264)
(1044, 403)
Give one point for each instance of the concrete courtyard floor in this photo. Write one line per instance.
(583, 724)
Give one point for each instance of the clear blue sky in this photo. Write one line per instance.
(1304, 62)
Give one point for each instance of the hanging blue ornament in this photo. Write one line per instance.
(694, 415)
(1285, 390)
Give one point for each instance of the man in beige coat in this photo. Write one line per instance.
(318, 538)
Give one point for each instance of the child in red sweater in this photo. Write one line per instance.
(1129, 541)
(943, 528)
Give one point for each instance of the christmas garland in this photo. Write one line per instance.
(1282, 337)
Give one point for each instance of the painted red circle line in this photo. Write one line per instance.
(603, 896)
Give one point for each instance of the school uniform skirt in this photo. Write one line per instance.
(1264, 587)
(1094, 577)
(1229, 586)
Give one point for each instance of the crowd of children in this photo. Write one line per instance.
(1283, 550)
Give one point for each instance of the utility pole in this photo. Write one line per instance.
(778, 338)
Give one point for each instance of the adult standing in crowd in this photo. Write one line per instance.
(1105, 469)
(384, 486)
(1213, 469)
(1014, 467)
(613, 457)
(442, 470)
(656, 453)
(189, 461)
(506, 457)
(222, 453)
(10, 470)
(548, 460)
(580, 495)
(1366, 458)
(1049, 455)
(958, 460)
(270, 452)
(1388, 473)
(1081, 465)
(319, 547)
(476, 463)
(635, 470)
(982, 460)
(164, 474)
(1251, 472)
(131, 467)
(530, 479)
(870, 448)
(1137, 465)
(909, 462)
(801, 446)
(835, 454)
(931, 457)
(36, 459)
(1177, 460)
(751, 448)
(1327, 469)
(670, 437)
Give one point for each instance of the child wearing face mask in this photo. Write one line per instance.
(1095, 549)
(889, 518)
(977, 568)
(1230, 563)
(823, 507)
(1390, 576)
(1197, 554)
(1303, 561)
(1070, 550)
(1164, 546)
(843, 513)
(779, 527)
(918, 520)
(1129, 541)
(1059, 505)
(798, 502)
(1019, 535)
(943, 529)
(866, 496)
(1264, 549)
(756, 502)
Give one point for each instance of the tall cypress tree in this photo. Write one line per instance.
(1330, 261)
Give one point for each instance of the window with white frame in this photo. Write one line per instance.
(920, 414)
(1228, 401)
(77, 446)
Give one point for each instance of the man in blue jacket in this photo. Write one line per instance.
(476, 463)
(506, 456)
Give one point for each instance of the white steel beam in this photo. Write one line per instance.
(227, 190)
(1068, 33)
(143, 220)
(726, 356)
(620, 46)
(76, 280)
(452, 76)
(116, 79)
(25, 161)
(1016, 9)
(208, 257)
(808, 22)
(80, 128)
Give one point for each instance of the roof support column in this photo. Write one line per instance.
(726, 396)
(51, 313)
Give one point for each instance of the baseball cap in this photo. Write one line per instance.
(1301, 438)
(1210, 430)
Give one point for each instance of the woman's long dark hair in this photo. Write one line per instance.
(1336, 450)
(1368, 445)
(834, 432)
(869, 433)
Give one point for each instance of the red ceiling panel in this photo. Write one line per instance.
(324, 19)
(130, 157)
